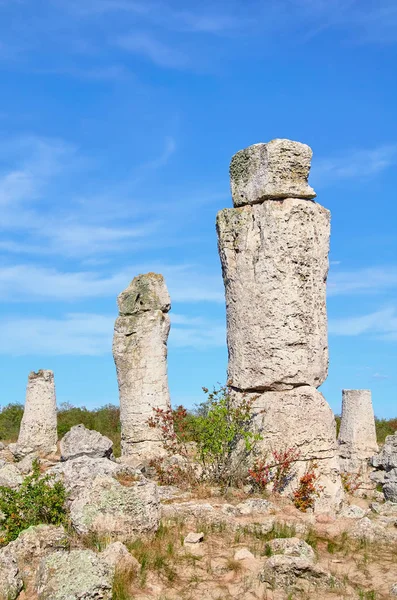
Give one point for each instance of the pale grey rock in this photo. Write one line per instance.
(275, 262)
(352, 511)
(393, 589)
(10, 476)
(373, 531)
(243, 554)
(254, 506)
(193, 538)
(357, 435)
(386, 464)
(292, 572)
(292, 547)
(76, 575)
(108, 507)
(25, 466)
(33, 544)
(117, 556)
(302, 419)
(80, 441)
(278, 169)
(78, 474)
(387, 509)
(38, 431)
(140, 354)
(10, 578)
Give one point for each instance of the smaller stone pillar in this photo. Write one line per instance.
(140, 354)
(357, 435)
(38, 431)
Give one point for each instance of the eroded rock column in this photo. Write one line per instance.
(274, 252)
(140, 354)
(357, 434)
(38, 431)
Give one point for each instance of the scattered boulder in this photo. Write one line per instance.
(108, 507)
(10, 475)
(73, 576)
(393, 589)
(254, 506)
(293, 572)
(292, 547)
(117, 556)
(351, 511)
(80, 441)
(25, 465)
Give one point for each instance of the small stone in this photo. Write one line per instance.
(243, 554)
(193, 538)
(80, 441)
(393, 589)
(278, 169)
(352, 512)
(254, 505)
(292, 547)
(117, 556)
(294, 572)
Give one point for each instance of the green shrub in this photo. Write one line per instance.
(39, 499)
(10, 421)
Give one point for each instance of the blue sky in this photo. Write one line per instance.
(118, 120)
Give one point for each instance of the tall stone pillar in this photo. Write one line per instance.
(140, 354)
(357, 434)
(38, 431)
(273, 247)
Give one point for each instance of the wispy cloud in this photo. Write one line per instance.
(28, 283)
(75, 334)
(369, 280)
(355, 164)
(381, 324)
(158, 52)
(196, 332)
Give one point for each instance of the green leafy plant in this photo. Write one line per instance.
(39, 499)
(222, 432)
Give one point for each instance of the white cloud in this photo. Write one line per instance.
(381, 323)
(75, 334)
(355, 164)
(27, 283)
(369, 280)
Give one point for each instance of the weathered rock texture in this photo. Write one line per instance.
(278, 169)
(140, 353)
(38, 432)
(80, 441)
(302, 419)
(274, 249)
(385, 464)
(275, 262)
(357, 434)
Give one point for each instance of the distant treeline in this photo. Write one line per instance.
(106, 420)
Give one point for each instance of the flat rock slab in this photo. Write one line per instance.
(278, 169)
(193, 538)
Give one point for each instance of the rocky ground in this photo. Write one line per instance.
(129, 538)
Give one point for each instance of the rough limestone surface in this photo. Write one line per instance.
(109, 507)
(73, 576)
(140, 354)
(295, 573)
(33, 544)
(385, 464)
(117, 556)
(278, 169)
(292, 547)
(10, 475)
(10, 578)
(38, 431)
(302, 419)
(80, 441)
(274, 259)
(357, 435)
